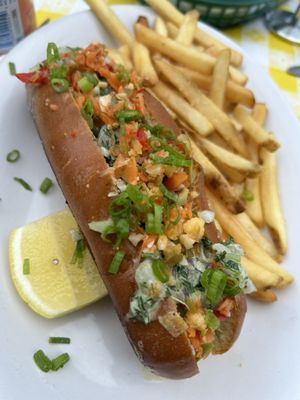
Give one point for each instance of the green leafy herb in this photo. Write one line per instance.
(207, 243)
(12, 68)
(23, 183)
(26, 266)
(46, 185)
(58, 339)
(140, 308)
(13, 156)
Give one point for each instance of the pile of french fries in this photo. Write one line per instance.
(198, 79)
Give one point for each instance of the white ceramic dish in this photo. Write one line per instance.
(264, 362)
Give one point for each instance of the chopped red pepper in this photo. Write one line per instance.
(40, 76)
(142, 137)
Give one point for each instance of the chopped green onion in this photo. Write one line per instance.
(160, 271)
(171, 160)
(217, 284)
(152, 256)
(247, 195)
(13, 156)
(116, 262)
(122, 228)
(172, 151)
(205, 278)
(23, 183)
(78, 253)
(85, 85)
(26, 266)
(58, 339)
(100, 226)
(211, 320)
(52, 53)
(178, 216)
(59, 85)
(122, 74)
(59, 361)
(59, 72)
(207, 348)
(127, 115)
(12, 68)
(158, 214)
(150, 226)
(87, 112)
(91, 78)
(169, 195)
(46, 185)
(120, 205)
(141, 202)
(42, 361)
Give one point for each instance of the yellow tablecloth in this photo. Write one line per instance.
(271, 52)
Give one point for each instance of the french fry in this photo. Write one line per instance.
(254, 130)
(111, 21)
(169, 12)
(176, 51)
(202, 103)
(143, 64)
(267, 296)
(172, 30)
(257, 236)
(234, 176)
(182, 108)
(116, 56)
(230, 159)
(160, 26)
(143, 20)
(125, 52)
(252, 250)
(271, 204)
(217, 181)
(220, 78)
(262, 278)
(254, 207)
(188, 27)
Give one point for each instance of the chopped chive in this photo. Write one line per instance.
(12, 68)
(58, 339)
(59, 361)
(42, 361)
(46, 185)
(23, 183)
(52, 53)
(78, 253)
(26, 266)
(116, 262)
(13, 156)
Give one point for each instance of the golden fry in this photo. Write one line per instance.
(143, 64)
(190, 115)
(202, 103)
(111, 22)
(252, 250)
(160, 26)
(170, 13)
(271, 204)
(230, 159)
(262, 278)
(217, 180)
(188, 27)
(220, 78)
(254, 130)
(267, 296)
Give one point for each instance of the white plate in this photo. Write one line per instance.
(264, 362)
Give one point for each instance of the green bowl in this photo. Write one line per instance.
(225, 13)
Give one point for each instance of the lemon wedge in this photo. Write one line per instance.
(53, 287)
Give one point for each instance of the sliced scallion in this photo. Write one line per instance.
(217, 284)
(77, 257)
(12, 68)
(13, 156)
(85, 85)
(59, 72)
(116, 262)
(52, 53)
(168, 194)
(59, 361)
(171, 160)
(23, 183)
(87, 112)
(160, 271)
(92, 78)
(42, 361)
(59, 340)
(59, 85)
(46, 185)
(211, 320)
(127, 115)
(26, 266)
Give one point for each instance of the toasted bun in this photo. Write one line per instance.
(84, 178)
